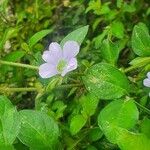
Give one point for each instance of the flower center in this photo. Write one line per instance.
(61, 65)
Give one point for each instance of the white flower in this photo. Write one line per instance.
(146, 81)
(58, 60)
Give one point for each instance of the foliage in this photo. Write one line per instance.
(100, 105)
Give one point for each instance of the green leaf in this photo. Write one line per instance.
(4, 5)
(59, 107)
(97, 40)
(128, 7)
(38, 130)
(119, 3)
(117, 29)
(6, 147)
(25, 47)
(145, 127)
(106, 82)
(77, 35)
(14, 56)
(38, 36)
(140, 61)
(89, 104)
(95, 6)
(117, 114)
(95, 134)
(133, 141)
(90, 147)
(110, 52)
(77, 122)
(141, 40)
(9, 122)
(105, 9)
(9, 33)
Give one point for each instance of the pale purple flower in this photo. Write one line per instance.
(146, 81)
(59, 60)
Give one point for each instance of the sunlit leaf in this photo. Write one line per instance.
(38, 130)
(38, 36)
(106, 82)
(141, 40)
(9, 122)
(77, 35)
(118, 114)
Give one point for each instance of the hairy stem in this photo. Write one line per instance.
(27, 89)
(18, 65)
(30, 89)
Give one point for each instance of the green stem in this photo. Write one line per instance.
(27, 89)
(142, 107)
(30, 89)
(18, 65)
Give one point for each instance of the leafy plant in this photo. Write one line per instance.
(97, 54)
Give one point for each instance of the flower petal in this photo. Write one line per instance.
(47, 70)
(148, 75)
(55, 48)
(54, 54)
(146, 82)
(47, 56)
(70, 49)
(72, 65)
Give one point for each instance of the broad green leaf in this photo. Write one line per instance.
(118, 114)
(38, 130)
(77, 122)
(77, 35)
(106, 81)
(14, 56)
(145, 127)
(117, 29)
(141, 40)
(38, 36)
(7, 147)
(133, 141)
(110, 52)
(95, 134)
(90, 147)
(9, 122)
(89, 104)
